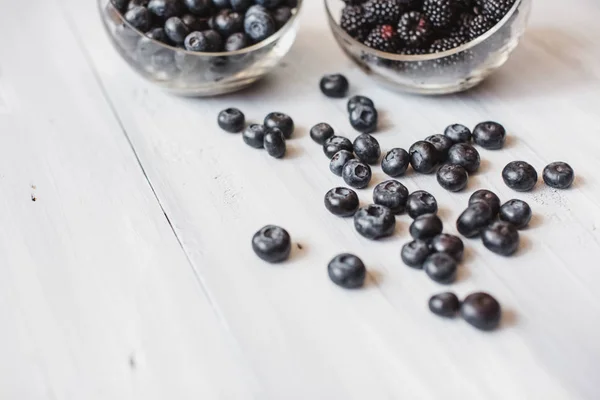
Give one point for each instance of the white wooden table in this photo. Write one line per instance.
(131, 274)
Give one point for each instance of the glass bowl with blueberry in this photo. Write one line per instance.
(428, 46)
(201, 47)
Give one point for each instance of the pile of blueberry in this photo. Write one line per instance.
(207, 25)
(420, 26)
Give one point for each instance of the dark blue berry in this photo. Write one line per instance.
(270, 4)
(395, 163)
(259, 26)
(165, 9)
(442, 144)
(237, 41)
(559, 175)
(488, 197)
(272, 244)
(342, 202)
(516, 212)
(481, 311)
(489, 135)
(424, 157)
(232, 120)
(466, 156)
(336, 165)
(274, 143)
(519, 176)
(335, 85)
(158, 34)
(347, 271)
(449, 244)
(254, 136)
(356, 174)
(139, 18)
(198, 7)
(367, 149)
(176, 30)
(281, 15)
(441, 268)
(321, 132)
(375, 222)
(391, 194)
(227, 23)
(364, 118)
(335, 144)
(281, 121)
(444, 304)
(475, 218)
(420, 203)
(241, 5)
(359, 100)
(501, 238)
(452, 177)
(207, 41)
(415, 253)
(194, 23)
(426, 226)
(458, 133)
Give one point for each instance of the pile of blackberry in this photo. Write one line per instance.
(207, 25)
(420, 26)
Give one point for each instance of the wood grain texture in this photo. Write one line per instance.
(273, 332)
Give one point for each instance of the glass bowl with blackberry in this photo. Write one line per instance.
(201, 47)
(428, 46)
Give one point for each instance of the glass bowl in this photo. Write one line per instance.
(189, 73)
(452, 71)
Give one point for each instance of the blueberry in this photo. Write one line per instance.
(139, 18)
(519, 176)
(256, 9)
(194, 23)
(227, 23)
(516, 212)
(489, 135)
(356, 174)
(232, 120)
(347, 271)
(559, 175)
(442, 144)
(452, 177)
(207, 41)
(359, 100)
(221, 4)
(426, 226)
(282, 15)
(444, 304)
(158, 34)
(321, 132)
(420, 203)
(375, 222)
(364, 118)
(476, 217)
(237, 41)
(281, 121)
(449, 244)
(481, 311)
(165, 9)
(466, 156)
(458, 133)
(391, 194)
(487, 197)
(415, 253)
(241, 5)
(367, 149)
(342, 202)
(423, 157)
(254, 136)
(335, 85)
(441, 268)
(339, 159)
(274, 143)
(335, 144)
(395, 163)
(272, 244)
(259, 26)
(198, 7)
(501, 238)
(270, 4)
(176, 30)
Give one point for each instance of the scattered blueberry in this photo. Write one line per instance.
(359, 100)
(321, 132)
(281, 121)
(489, 135)
(176, 30)
(452, 177)
(342, 202)
(444, 304)
(367, 149)
(347, 271)
(559, 175)
(420, 203)
(395, 163)
(441, 268)
(501, 238)
(442, 144)
(139, 18)
(254, 136)
(487, 197)
(476, 217)
(232, 120)
(520, 176)
(165, 9)
(516, 212)
(375, 222)
(335, 144)
(272, 244)
(335, 86)
(426, 226)
(415, 253)
(364, 118)
(237, 41)
(259, 26)
(336, 165)
(424, 157)
(274, 143)
(465, 155)
(458, 133)
(449, 244)
(481, 311)
(356, 174)
(391, 194)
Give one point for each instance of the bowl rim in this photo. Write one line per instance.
(257, 46)
(423, 57)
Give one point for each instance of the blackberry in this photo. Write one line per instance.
(383, 11)
(355, 23)
(497, 9)
(445, 44)
(441, 12)
(383, 38)
(478, 26)
(414, 29)
(461, 28)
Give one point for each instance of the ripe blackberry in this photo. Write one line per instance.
(461, 28)
(355, 23)
(445, 44)
(383, 11)
(441, 12)
(478, 26)
(414, 29)
(383, 38)
(497, 9)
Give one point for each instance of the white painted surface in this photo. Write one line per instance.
(100, 301)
